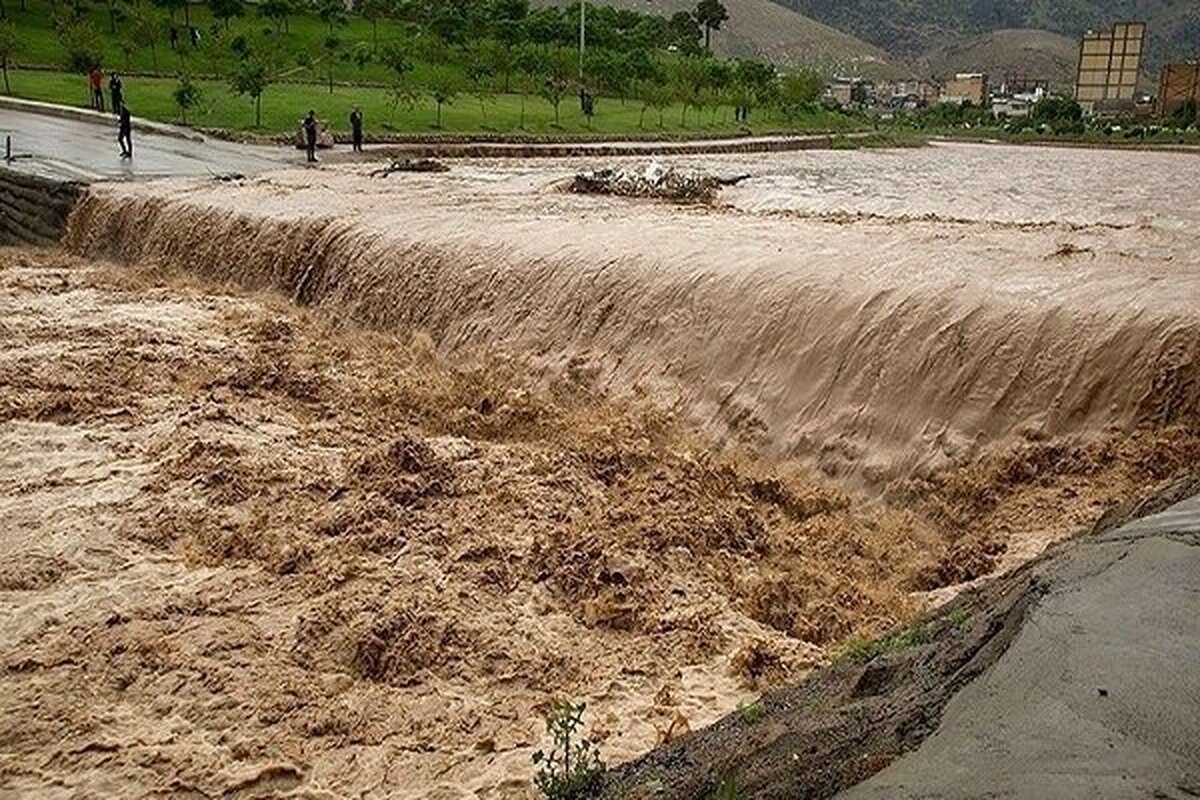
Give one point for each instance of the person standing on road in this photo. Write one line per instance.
(310, 135)
(96, 82)
(117, 92)
(356, 122)
(124, 132)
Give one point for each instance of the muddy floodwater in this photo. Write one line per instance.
(324, 484)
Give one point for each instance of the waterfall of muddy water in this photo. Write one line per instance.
(881, 314)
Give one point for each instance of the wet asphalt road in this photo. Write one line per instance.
(71, 149)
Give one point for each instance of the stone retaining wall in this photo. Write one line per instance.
(34, 210)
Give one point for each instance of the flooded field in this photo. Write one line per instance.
(328, 484)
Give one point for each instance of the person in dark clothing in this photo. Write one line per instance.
(124, 132)
(173, 37)
(96, 83)
(310, 135)
(118, 95)
(194, 33)
(356, 122)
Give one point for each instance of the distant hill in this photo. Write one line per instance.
(767, 31)
(1031, 53)
(910, 28)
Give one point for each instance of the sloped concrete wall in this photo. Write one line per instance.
(34, 210)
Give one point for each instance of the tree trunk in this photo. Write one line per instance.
(187, 14)
(374, 37)
(7, 88)
(707, 37)
(521, 124)
(258, 111)
(642, 118)
(154, 55)
(331, 75)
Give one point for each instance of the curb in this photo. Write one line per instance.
(95, 117)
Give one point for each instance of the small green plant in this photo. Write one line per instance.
(959, 618)
(728, 789)
(860, 651)
(751, 713)
(573, 766)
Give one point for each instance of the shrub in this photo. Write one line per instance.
(572, 767)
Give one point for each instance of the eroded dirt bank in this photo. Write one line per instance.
(249, 549)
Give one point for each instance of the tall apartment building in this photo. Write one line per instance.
(1109, 64)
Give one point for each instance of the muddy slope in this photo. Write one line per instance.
(1072, 676)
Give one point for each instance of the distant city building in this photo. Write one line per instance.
(1017, 95)
(1178, 83)
(1013, 85)
(847, 92)
(1109, 64)
(966, 87)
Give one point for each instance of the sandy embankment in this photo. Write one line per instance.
(252, 547)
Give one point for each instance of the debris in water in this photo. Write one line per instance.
(410, 165)
(653, 180)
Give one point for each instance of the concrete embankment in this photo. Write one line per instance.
(34, 210)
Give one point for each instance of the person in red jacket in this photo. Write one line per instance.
(96, 82)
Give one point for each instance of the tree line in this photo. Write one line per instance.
(439, 51)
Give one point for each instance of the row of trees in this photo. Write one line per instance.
(439, 50)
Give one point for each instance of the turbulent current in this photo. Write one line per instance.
(880, 314)
(323, 485)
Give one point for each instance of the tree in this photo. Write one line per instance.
(225, 10)
(656, 93)
(710, 14)
(10, 46)
(797, 92)
(482, 58)
(443, 88)
(372, 11)
(685, 33)
(1059, 114)
(362, 55)
(81, 45)
(331, 46)
(558, 73)
(754, 83)
(400, 92)
(186, 95)
(331, 12)
(277, 11)
(114, 13)
(688, 80)
(145, 26)
(507, 17)
(251, 77)
(527, 66)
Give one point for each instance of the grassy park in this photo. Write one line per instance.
(445, 66)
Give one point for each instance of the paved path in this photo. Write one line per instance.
(1098, 696)
(77, 149)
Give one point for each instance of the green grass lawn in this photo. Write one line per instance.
(284, 104)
